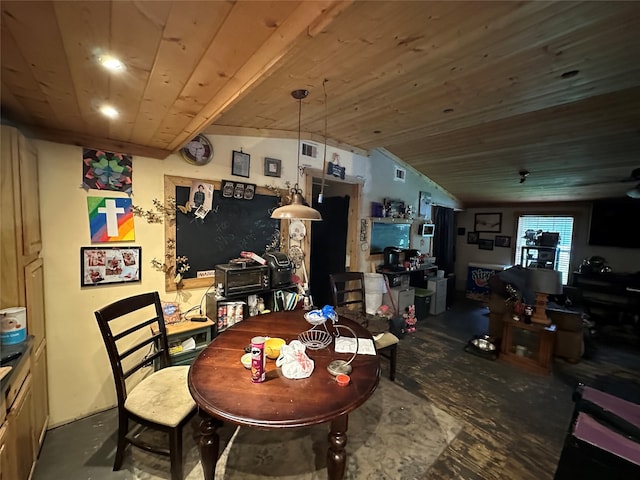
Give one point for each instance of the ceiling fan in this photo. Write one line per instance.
(633, 177)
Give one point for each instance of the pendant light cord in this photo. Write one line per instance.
(296, 188)
(324, 160)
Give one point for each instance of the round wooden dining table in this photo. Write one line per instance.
(222, 388)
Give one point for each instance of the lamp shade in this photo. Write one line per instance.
(544, 280)
(296, 210)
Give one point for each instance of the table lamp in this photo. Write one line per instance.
(543, 282)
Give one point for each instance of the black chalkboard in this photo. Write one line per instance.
(233, 225)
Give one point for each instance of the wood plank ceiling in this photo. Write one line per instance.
(468, 93)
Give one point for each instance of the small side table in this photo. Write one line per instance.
(529, 346)
(200, 332)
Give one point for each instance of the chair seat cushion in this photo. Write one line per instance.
(386, 340)
(163, 397)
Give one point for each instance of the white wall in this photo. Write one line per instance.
(619, 259)
(380, 184)
(80, 381)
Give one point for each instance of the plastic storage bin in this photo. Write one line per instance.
(422, 302)
(374, 288)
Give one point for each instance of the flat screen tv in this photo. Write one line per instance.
(389, 235)
(614, 223)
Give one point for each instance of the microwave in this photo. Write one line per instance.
(235, 279)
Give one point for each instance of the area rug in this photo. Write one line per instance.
(394, 435)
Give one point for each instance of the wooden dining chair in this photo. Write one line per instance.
(348, 294)
(135, 337)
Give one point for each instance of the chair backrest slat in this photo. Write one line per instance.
(135, 328)
(147, 361)
(138, 346)
(347, 288)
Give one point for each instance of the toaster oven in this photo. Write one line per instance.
(236, 279)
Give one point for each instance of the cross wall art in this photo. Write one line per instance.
(110, 219)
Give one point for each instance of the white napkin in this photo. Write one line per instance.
(348, 345)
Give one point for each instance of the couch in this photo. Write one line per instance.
(570, 326)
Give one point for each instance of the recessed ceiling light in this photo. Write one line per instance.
(109, 111)
(111, 63)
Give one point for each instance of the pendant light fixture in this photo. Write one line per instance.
(298, 209)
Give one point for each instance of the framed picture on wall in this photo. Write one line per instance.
(424, 202)
(503, 241)
(485, 244)
(103, 265)
(488, 222)
(240, 164)
(472, 237)
(272, 167)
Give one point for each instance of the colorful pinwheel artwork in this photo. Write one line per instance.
(106, 171)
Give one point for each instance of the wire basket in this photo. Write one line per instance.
(315, 339)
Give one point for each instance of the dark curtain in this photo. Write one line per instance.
(328, 246)
(444, 246)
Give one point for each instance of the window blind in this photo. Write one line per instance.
(561, 225)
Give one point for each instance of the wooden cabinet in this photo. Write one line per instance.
(34, 292)
(20, 455)
(20, 428)
(22, 284)
(6, 465)
(19, 214)
(29, 197)
(529, 346)
(40, 395)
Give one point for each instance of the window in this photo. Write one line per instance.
(560, 224)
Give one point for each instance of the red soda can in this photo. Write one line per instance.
(257, 359)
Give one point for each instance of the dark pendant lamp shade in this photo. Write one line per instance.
(298, 209)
